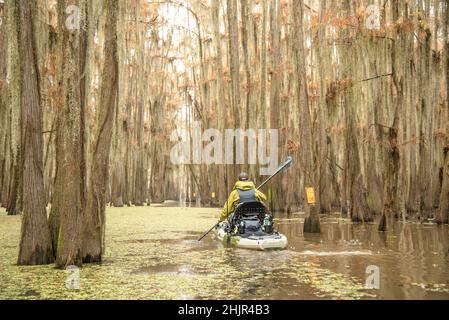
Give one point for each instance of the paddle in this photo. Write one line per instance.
(287, 163)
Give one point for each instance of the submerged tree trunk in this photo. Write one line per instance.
(443, 214)
(391, 204)
(94, 216)
(278, 195)
(312, 221)
(35, 243)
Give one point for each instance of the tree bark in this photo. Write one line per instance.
(35, 243)
(94, 217)
(67, 203)
(4, 114)
(443, 214)
(13, 206)
(312, 221)
(234, 57)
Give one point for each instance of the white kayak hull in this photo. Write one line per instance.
(269, 242)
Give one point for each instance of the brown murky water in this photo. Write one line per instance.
(152, 253)
(412, 258)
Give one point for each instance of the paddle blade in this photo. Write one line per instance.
(288, 162)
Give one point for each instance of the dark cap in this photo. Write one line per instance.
(243, 176)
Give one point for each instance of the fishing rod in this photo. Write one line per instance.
(287, 163)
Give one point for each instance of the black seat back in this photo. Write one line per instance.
(250, 209)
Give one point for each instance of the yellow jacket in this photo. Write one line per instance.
(234, 197)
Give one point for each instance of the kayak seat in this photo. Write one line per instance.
(248, 216)
(250, 209)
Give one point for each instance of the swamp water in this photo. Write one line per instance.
(152, 253)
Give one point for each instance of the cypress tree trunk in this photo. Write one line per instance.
(234, 59)
(425, 110)
(67, 203)
(322, 61)
(277, 201)
(14, 183)
(312, 221)
(391, 204)
(35, 243)
(94, 217)
(222, 118)
(4, 115)
(443, 214)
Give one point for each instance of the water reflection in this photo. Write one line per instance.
(413, 258)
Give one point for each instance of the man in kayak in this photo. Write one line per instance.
(244, 190)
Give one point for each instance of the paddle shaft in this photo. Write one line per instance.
(268, 179)
(286, 164)
(209, 231)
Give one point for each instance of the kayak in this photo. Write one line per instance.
(252, 241)
(250, 227)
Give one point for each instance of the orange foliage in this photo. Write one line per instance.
(292, 146)
(345, 22)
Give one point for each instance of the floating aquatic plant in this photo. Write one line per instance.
(153, 253)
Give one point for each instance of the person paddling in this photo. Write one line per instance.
(244, 190)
